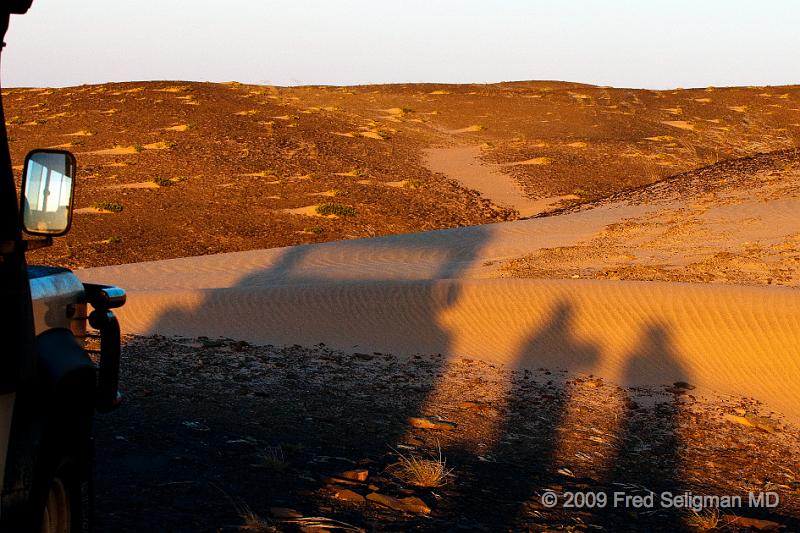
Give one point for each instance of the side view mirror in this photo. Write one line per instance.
(48, 184)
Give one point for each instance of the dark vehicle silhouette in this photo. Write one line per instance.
(50, 384)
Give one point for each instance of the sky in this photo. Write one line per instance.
(654, 44)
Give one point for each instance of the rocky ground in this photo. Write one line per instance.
(218, 435)
(731, 222)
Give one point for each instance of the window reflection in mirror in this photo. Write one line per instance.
(47, 192)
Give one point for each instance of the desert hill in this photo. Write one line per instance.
(229, 167)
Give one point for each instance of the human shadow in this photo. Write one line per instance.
(647, 458)
(536, 406)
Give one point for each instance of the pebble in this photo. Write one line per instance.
(430, 423)
(764, 424)
(284, 512)
(356, 475)
(410, 504)
(335, 480)
(347, 495)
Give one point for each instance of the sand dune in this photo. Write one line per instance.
(437, 292)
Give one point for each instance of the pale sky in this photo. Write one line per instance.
(623, 43)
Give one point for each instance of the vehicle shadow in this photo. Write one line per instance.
(209, 458)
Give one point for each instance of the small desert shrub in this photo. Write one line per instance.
(357, 172)
(138, 148)
(406, 109)
(413, 184)
(422, 472)
(114, 239)
(580, 192)
(76, 142)
(162, 182)
(16, 120)
(166, 182)
(108, 206)
(331, 208)
(313, 229)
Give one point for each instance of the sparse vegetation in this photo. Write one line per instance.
(166, 182)
(112, 207)
(704, 520)
(330, 208)
(580, 192)
(138, 148)
(114, 239)
(252, 522)
(413, 184)
(379, 132)
(313, 229)
(76, 142)
(291, 450)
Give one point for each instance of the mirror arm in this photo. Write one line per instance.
(36, 244)
(8, 247)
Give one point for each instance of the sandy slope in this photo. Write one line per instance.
(463, 164)
(437, 292)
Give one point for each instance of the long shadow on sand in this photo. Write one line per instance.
(182, 452)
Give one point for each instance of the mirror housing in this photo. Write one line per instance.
(48, 185)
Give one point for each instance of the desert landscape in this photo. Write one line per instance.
(426, 307)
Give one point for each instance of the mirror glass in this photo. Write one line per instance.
(47, 188)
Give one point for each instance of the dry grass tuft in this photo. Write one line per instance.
(422, 472)
(322, 523)
(704, 520)
(253, 522)
(273, 459)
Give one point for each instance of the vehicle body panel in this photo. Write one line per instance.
(6, 410)
(58, 300)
